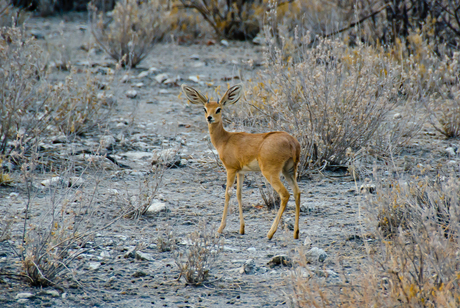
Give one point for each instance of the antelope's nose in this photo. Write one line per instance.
(209, 118)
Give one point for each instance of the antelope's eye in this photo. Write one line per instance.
(217, 110)
(205, 110)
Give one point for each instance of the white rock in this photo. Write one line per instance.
(137, 155)
(139, 85)
(143, 256)
(252, 249)
(76, 181)
(105, 254)
(94, 265)
(224, 43)
(397, 116)
(107, 141)
(156, 206)
(153, 70)
(451, 151)
(367, 188)
(259, 39)
(307, 242)
(52, 181)
(53, 293)
(24, 295)
(316, 254)
(143, 74)
(125, 78)
(249, 267)
(160, 78)
(195, 57)
(131, 94)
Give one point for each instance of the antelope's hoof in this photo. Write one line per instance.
(296, 234)
(242, 230)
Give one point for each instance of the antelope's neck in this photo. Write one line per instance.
(219, 135)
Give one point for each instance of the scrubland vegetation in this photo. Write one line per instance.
(356, 82)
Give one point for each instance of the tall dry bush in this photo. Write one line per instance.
(131, 32)
(11, 16)
(336, 100)
(30, 106)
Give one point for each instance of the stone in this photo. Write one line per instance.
(93, 265)
(167, 157)
(160, 78)
(107, 141)
(156, 206)
(397, 116)
(75, 181)
(125, 78)
(282, 260)
(307, 242)
(37, 34)
(130, 253)
(139, 274)
(143, 256)
(53, 293)
(52, 181)
(143, 74)
(23, 295)
(367, 188)
(316, 254)
(224, 43)
(137, 155)
(249, 267)
(139, 85)
(131, 94)
(451, 151)
(194, 57)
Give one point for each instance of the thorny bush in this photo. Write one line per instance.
(31, 108)
(132, 30)
(201, 251)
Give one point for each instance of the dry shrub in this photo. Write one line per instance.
(138, 203)
(197, 259)
(52, 235)
(132, 31)
(30, 107)
(334, 99)
(10, 16)
(230, 19)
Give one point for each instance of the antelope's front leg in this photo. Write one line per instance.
(230, 180)
(239, 185)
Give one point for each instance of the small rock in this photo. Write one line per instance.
(194, 57)
(37, 34)
(23, 301)
(156, 207)
(397, 116)
(143, 256)
(259, 39)
(125, 78)
(105, 254)
(52, 181)
(282, 260)
(160, 78)
(167, 157)
(24, 295)
(139, 274)
(107, 141)
(75, 181)
(224, 43)
(137, 155)
(316, 254)
(153, 70)
(130, 252)
(195, 78)
(143, 74)
(367, 188)
(451, 151)
(53, 293)
(131, 94)
(139, 85)
(94, 265)
(307, 242)
(252, 249)
(249, 267)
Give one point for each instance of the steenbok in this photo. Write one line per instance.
(271, 153)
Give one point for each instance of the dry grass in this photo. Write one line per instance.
(196, 260)
(31, 108)
(131, 32)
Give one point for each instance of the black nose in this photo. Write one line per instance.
(209, 118)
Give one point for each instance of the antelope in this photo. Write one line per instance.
(270, 153)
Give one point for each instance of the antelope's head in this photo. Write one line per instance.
(213, 109)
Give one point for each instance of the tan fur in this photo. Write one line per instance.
(271, 153)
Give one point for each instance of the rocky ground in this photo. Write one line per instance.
(125, 264)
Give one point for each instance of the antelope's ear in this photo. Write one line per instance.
(193, 95)
(232, 95)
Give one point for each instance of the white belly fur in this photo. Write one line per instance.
(252, 166)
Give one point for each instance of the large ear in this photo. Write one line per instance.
(193, 95)
(232, 95)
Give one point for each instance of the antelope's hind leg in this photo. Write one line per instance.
(290, 178)
(240, 180)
